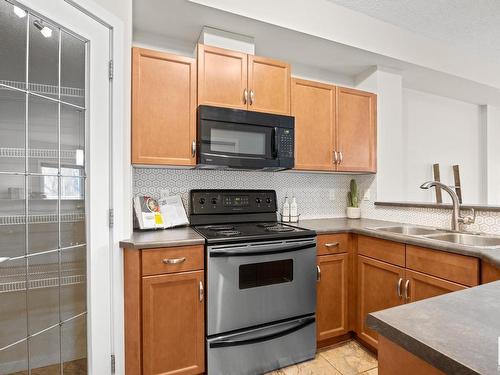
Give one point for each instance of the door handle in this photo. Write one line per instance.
(398, 287)
(174, 260)
(245, 96)
(252, 97)
(202, 292)
(335, 157)
(341, 157)
(407, 286)
(193, 149)
(318, 274)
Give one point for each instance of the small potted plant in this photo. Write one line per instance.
(353, 210)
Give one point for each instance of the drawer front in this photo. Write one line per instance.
(453, 267)
(333, 243)
(387, 251)
(172, 259)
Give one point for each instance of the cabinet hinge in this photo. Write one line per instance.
(111, 217)
(113, 363)
(110, 69)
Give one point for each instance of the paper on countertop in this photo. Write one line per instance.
(173, 212)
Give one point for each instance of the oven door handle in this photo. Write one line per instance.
(265, 251)
(226, 343)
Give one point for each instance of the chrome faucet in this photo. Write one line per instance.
(455, 216)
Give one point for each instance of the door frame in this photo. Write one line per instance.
(120, 173)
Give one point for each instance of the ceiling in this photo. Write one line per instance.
(468, 24)
(175, 26)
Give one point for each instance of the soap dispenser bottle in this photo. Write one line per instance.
(285, 216)
(294, 212)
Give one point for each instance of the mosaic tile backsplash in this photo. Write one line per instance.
(319, 195)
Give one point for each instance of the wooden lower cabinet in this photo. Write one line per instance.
(173, 328)
(421, 286)
(331, 309)
(377, 290)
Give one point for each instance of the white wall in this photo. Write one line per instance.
(444, 131)
(492, 138)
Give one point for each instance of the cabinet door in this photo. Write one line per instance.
(269, 85)
(173, 331)
(313, 105)
(356, 130)
(421, 286)
(377, 290)
(331, 309)
(163, 108)
(222, 77)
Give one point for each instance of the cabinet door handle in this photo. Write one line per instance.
(245, 96)
(318, 274)
(407, 286)
(193, 149)
(332, 244)
(398, 287)
(335, 157)
(174, 260)
(202, 292)
(252, 97)
(341, 157)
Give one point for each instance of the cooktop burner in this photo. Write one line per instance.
(279, 228)
(219, 228)
(228, 233)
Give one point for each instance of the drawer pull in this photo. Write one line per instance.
(202, 292)
(174, 260)
(332, 244)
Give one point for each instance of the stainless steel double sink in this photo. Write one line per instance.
(468, 239)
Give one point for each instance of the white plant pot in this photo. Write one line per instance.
(353, 212)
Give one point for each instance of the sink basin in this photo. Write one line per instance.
(467, 239)
(409, 230)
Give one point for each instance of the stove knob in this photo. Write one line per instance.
(257, 200)
(268, 200)
(202, 201)
(214, 200)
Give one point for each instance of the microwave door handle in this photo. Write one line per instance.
(253, 340)
(275, 144)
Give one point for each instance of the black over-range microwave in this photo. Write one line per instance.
(238, 139)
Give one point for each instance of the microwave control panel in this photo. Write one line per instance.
(286, 143)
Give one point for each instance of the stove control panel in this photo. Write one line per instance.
(232, 201)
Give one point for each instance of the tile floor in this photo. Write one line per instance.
(347, 358)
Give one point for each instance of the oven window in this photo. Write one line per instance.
(237, 142)
(266, 273)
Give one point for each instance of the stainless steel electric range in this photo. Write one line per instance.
(261, 281)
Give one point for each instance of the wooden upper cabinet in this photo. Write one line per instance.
(421, 286)
(377, 290)
(331, 309)
(163, 108)
(173, 329)
(268, 85)
(222, 77)
(356, 130)
(313, 105)
(236, 80)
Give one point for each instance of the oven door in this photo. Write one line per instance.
(261, 282)
(235, 145)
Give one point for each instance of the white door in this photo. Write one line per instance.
(54, 189)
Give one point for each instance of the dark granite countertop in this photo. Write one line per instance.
(188, 236)
(365, 226)
(457, 333)
(182, 236)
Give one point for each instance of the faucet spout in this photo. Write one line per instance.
(454, 198)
